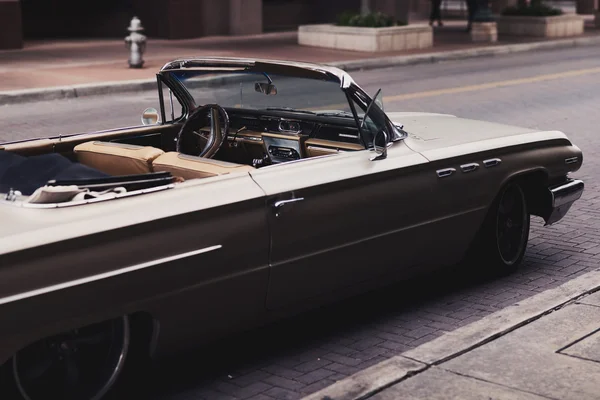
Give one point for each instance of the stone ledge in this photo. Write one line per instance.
(555, 26)
(393, 38)
(484, 32)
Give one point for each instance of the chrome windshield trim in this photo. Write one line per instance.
(105, 275)
(219, 63)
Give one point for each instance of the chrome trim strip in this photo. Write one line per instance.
(442, 173)
(492, 162)
(346, 135)
(105, 275)
(469, 167)
(254, 138)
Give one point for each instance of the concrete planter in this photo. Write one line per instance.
(484, 32)
(394, 38)
(556, 26)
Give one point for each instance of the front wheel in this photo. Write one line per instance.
(502, 241)
(83, 364)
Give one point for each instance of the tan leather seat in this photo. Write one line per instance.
(117, 158)
(191, 167)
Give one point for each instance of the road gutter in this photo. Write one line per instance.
(379, 377)
(103, 88)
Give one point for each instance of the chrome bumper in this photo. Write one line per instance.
(563, 196)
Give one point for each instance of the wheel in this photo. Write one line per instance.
(502, 241)
(83, 364)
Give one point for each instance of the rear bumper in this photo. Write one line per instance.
(562, 198)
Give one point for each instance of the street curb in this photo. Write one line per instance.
(73, 91)
(488, 51)
(83, 90)
(370, 381)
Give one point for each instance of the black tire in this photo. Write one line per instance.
(501, 243)
(84, 364)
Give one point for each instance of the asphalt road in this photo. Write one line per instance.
(548, 90)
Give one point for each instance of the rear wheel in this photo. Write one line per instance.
(502, 241)
(83, 364)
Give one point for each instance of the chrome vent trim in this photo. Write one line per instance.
(443, 173)
(469, 167)
(492, 162)
(571, 160)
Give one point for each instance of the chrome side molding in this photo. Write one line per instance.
(105, 275)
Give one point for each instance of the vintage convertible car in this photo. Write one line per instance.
(258, 189)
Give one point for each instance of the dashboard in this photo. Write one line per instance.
(286, 136)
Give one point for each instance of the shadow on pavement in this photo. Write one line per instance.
(248, 351)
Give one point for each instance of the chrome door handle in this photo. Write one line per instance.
(280, 203)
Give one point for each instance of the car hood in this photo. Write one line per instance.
(434, 135)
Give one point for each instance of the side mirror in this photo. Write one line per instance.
(150, 116)
(265, 88)
(380, 145)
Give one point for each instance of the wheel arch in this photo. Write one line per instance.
(144, 334)
(534, 183)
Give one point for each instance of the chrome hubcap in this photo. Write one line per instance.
(82, 364)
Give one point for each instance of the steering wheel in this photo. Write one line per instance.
(190, 136)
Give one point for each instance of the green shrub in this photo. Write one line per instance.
(371, 20)
(536, 8)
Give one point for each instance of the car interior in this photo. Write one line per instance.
(204, 141)
(255, 139)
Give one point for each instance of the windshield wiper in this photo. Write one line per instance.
(291, 110)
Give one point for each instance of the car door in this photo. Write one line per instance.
(194, 257)
(340, 220)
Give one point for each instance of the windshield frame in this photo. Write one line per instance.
(354, 94)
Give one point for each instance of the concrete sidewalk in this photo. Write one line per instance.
(546, 347)
(60, 69)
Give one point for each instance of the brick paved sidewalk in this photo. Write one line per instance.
(61, 63)
(546, 346)
(557, 356)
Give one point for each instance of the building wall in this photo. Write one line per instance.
(10, 25)
(288, 14)
(178, 19)
(75, 18)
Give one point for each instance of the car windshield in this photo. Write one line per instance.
(261, 91)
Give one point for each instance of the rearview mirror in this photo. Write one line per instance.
(380, 145)
(265, 88)
(150, 116)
